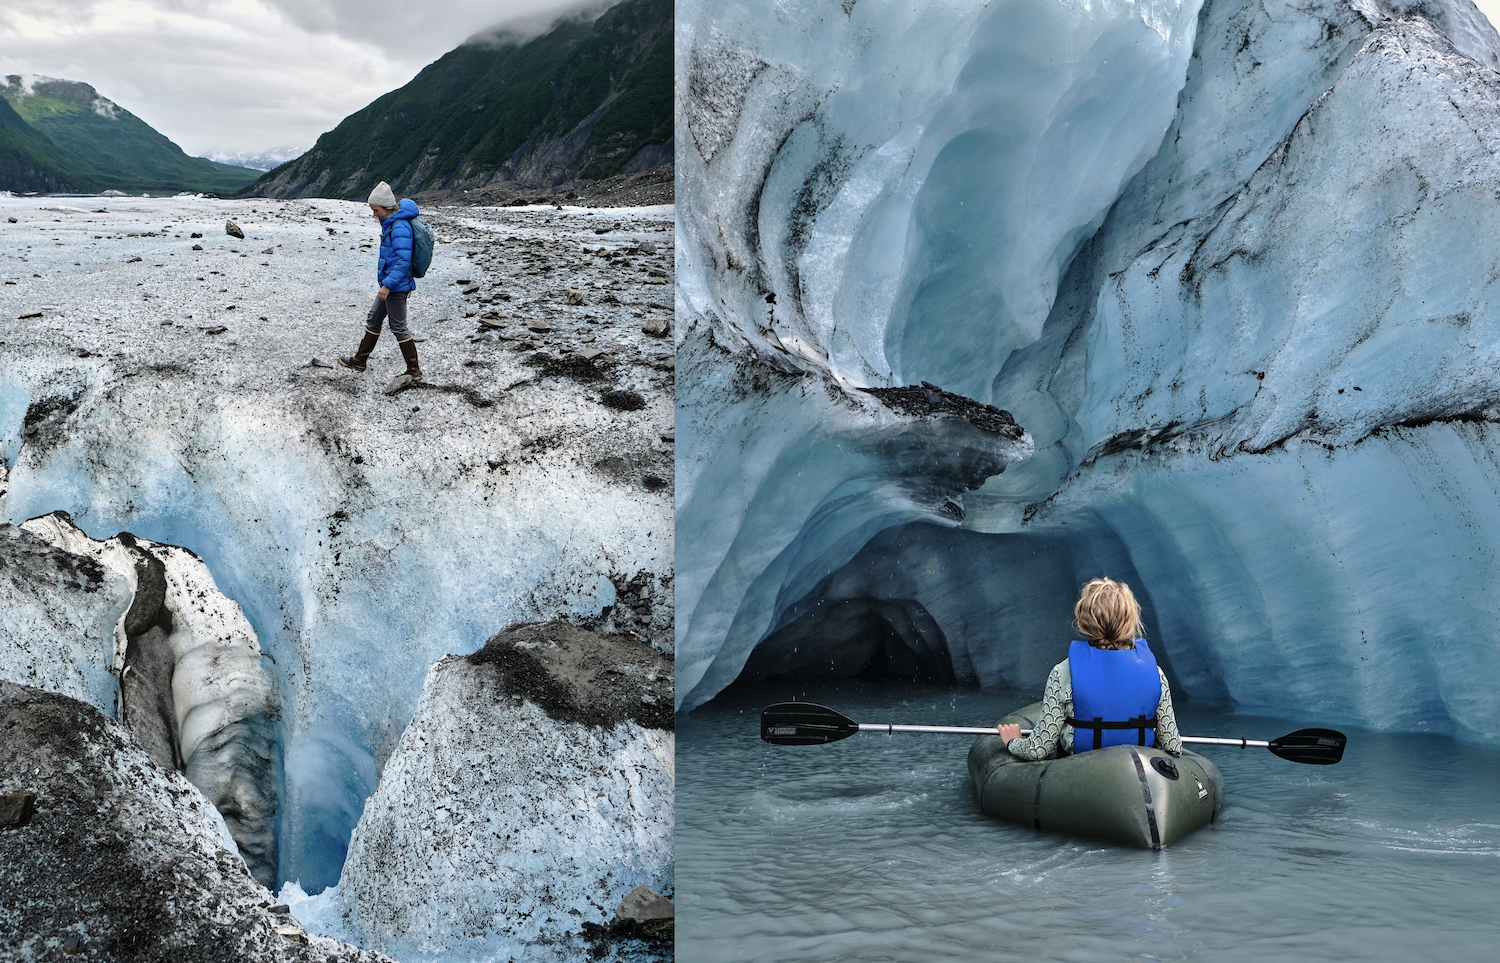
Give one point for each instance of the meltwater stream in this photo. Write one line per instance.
(874, 848)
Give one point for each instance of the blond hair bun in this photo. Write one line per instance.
(1108, 614)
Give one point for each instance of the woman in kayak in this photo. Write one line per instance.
(1109, 691)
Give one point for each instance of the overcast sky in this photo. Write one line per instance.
(223, 76)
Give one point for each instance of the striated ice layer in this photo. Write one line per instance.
(193, 691)
(895, 223)
(1263, 394)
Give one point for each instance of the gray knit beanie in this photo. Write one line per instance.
(383, 196)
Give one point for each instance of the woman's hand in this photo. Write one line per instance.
(1008, 732)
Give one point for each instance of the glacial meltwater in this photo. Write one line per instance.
(874, 848)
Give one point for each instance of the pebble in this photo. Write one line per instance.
(657, 326)
(538, 326)
(269, 250)
(16, 807)
(589, 354)
(233, 230)
(293, 933)
(644, 903)
(30, 314)
(574, 296)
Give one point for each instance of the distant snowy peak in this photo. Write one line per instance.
(256, 161)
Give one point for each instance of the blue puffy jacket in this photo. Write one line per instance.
(394, 268)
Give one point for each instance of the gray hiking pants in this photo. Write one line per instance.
(393, 307)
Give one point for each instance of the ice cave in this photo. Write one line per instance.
(978, 301)
(1226, 267)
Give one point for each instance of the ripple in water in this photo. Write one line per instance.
(874, 849)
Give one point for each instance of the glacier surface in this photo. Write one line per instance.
(185, 396)
(1258, 384)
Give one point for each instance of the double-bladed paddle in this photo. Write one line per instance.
(806, 724)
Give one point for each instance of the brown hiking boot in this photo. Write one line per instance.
(362, 355)
(409, 352)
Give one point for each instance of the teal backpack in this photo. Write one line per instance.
(421, 247)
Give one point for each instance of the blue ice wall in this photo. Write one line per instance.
(1259, 384)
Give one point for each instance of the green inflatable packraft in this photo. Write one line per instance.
(1132, 795)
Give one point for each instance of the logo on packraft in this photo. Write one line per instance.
(421, 248)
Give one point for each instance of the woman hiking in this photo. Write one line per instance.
(393, 273)
(1109, 691)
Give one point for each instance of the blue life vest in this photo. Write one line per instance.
(1115, 695)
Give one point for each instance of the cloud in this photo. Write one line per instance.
(250, 75)
(398, 25)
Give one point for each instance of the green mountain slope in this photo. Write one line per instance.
(587, 99)
(28, 160)
(102, 146)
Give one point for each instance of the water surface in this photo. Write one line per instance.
(874, 849)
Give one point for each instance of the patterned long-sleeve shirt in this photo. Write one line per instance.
(1051, 731)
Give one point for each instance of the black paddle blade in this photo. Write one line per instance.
(804, 724)
(1315, 747)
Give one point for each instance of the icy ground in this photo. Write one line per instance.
(186, 396)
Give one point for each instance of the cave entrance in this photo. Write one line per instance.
(855, 638)
(927, 603)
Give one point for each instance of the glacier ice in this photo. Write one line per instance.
(530, 793)
(812, 157)
(192, 689)
(1261, 391)
(58, 613)
(362, 537)
(805, 473)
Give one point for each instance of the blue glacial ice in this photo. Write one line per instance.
(362, 537)
(1249, 329)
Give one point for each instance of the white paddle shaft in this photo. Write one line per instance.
(976, 731)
